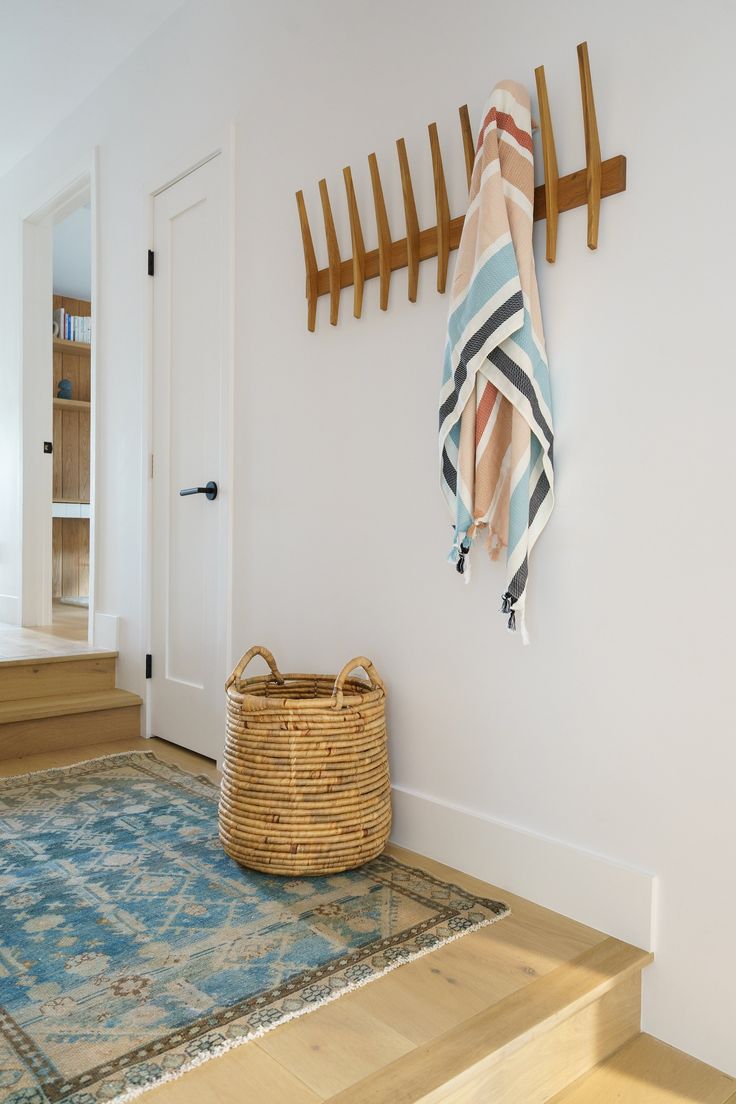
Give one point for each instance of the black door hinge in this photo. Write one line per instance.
(150, 262)
(149, 666)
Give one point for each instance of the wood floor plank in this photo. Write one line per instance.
(492, 1035)
(421, 1000)
(334, 1046)
(46, 641)
(647, 1071)
(61, 757)
(64, 757)
(433, 994)
(244, 1074)
(520, 950)
(67, 621)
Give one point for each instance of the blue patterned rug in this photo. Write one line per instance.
(132, 948)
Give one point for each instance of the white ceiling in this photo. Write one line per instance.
(53, 55)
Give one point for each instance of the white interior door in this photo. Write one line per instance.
(189, 532)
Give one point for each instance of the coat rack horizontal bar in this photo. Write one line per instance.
(572, 192)
(586, 187)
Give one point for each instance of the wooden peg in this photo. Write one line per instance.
(333, 253)
(549, 154)
(412, 222)
(592, 147)
(443, 208)
(584, 187)
(384, 233)
(468, 147)
(356, 235)
(310, 263)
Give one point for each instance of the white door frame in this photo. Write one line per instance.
(36, 398)
(220, 143)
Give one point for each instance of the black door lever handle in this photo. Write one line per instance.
(210, 490)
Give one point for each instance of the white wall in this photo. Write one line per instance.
(53, 55)
(614, 731)
(72, 272)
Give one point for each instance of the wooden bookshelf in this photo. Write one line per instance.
(72, 404)
(61, 345)
(70, 544)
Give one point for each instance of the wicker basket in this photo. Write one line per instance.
(305, 786)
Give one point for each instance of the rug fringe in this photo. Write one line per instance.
(259, 1032)
(79, 763)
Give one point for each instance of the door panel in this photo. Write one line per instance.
(189, 533)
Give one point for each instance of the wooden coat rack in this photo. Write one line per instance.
(558, 193)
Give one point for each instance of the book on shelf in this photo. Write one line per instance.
(72, 327)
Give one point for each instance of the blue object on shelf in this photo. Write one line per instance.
(65, 389)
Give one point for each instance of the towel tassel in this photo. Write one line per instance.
(512, 624)
(463, 551)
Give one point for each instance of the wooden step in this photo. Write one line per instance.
(646, 1071)
(52, 676)
(527, 1047)
(91, 701)
(29, 726)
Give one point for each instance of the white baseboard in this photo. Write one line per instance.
(105, 634)
(595, 890)
(9, 609)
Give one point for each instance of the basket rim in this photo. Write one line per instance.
(360, 692)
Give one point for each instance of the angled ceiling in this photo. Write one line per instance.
(52, 56)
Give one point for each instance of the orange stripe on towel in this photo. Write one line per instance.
(505, 122)
(483, 413)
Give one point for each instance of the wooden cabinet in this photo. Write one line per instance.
(71, 452)
(70, 556)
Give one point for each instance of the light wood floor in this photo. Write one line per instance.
(646, 1071)
(58, 639)
(323, 1055)
(69, 622)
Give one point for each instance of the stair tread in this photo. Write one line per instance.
(647, 1071)
(39, 660)
(25, 709)
(492, 1035)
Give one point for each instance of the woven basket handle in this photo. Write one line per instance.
(352, 665)
(249, 655)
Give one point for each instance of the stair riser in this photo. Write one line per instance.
(20, 738)
(46, 680)
(553, 1059)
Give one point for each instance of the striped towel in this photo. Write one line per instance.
(495, 406)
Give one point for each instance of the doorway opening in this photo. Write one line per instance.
(57, 494)
(72, 349)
